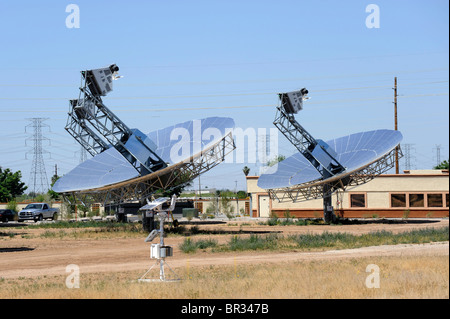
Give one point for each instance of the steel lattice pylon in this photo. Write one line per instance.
(38, 177)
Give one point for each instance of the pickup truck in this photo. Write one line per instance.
(37, 212)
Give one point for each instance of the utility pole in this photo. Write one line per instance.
(199, 188)
(396, 124)
(237, 200)
(55, 176)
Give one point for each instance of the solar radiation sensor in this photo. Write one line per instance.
(321, 168)
(128, 164)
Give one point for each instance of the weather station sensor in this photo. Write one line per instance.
(321, 168)
(159, 251)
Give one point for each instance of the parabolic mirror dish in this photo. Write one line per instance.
(354, 152)
(173, 144)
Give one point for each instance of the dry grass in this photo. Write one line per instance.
(400, 277)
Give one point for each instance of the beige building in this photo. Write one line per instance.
(237, 207)
(414, 194)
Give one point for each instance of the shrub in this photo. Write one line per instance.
(189, 246)
(254, 242)
(406, 214)
(273, 220)
(12, 205)
(206, 243)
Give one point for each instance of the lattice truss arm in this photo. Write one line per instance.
(293, 131)
(90, 141)
(313, 150)
(104, 120)
(96, 127)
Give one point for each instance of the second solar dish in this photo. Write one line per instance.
(321, 168)
(354, 152)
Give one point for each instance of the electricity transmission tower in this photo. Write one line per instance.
(407, 149)
(438, 155)
(38, 177)
(83, 154)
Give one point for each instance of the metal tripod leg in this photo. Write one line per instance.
(162, 275)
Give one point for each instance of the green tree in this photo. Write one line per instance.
(443, 165)
(276, 160)
(10, 185)
(53, 195)
(241, 194)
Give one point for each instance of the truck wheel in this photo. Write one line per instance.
(55, 216)
(40, 218)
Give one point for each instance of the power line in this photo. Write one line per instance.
(149, 109)
(192, 96)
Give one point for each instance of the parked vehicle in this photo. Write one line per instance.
(37, 212)
(6, 215)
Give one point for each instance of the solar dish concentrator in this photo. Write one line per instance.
(355, 152)
(110, 167)
(128, 164)
(320, 168)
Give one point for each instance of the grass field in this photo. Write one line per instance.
(400, 277)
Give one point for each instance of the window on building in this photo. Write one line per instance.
(357, 200)
(446, 200)
(434, 200)
(398, 200)
(416, 200)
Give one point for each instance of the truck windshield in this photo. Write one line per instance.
(33, 206)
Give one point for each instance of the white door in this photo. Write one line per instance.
(264, 206)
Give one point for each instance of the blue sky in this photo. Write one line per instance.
(184, 60)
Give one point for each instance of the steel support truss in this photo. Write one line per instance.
(81, 132)
(293, 131)
(305, 142)
(165, 179)
(320, 188)
(89, 112)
